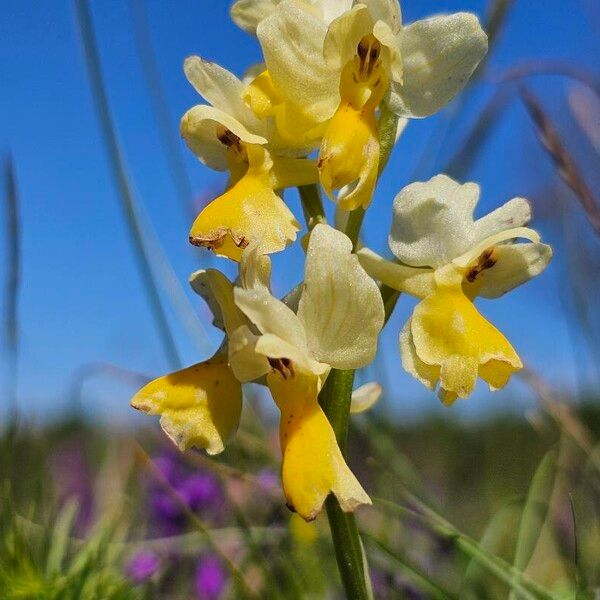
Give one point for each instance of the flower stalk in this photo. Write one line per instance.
(335, 400)
(336, 395)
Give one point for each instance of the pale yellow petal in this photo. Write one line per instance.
(271, 315)
(200, 128)
(392, 42)
(387, 11)
(503, 236)
(514, 213)
(341, 307)
(332, 9)
(514, 264)
(255, 268)
(439, 54)
(313, 466)
(292, 40)
(198, 406)
(344, 34)
(246, 363)
(300, 361)
(365, 397)
(433, 221)
(217, 292)
(412, 280)
(247, 14)
(221, 89)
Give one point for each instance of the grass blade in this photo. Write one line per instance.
(170, 142)
(493, 539)
(565, 164)
(461, 162)
(13, 261)
(535, 511)
(60, 539)
(525, 587)
(416, 575)
(118, 171)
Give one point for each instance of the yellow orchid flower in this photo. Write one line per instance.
(448, 258)
(200, 406)
(339, 316)
(335, 62)
(228, 136)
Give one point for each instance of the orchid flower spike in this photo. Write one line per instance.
(226, 135)
(448, 259)
(339, 316)
(332, 64)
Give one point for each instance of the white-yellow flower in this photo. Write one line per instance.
(339, 316)
(332, 63)
(448, 259)
(226, 135)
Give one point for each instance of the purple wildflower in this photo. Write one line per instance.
(210, 579)
(200, 492)
(268, 480)
(142, 566)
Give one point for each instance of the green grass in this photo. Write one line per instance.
(493, 510)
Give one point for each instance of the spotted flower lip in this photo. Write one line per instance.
(447, 258)
(227, 135)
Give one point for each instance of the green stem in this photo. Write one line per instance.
(336, 394)
(312, 205)
(335, 399)
(353, 225)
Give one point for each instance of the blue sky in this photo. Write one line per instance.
(82, 300)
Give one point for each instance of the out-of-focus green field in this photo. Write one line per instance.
(460, 511)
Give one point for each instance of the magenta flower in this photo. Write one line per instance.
(142, 566)
(210, 579)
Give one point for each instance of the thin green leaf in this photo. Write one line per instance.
(420, 578)
(151, 259)
(526, 588)
(13, 277)
(494, 537)
(535, 510)
(60, 538)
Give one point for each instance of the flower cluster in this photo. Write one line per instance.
(339, 82)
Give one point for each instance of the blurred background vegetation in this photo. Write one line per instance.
(497, 499)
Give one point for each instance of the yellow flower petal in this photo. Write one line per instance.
(250, 211)
(349, 155)
(313, 465)
(295, 130)
(198, 406)
(450, 334)
(428, 375)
